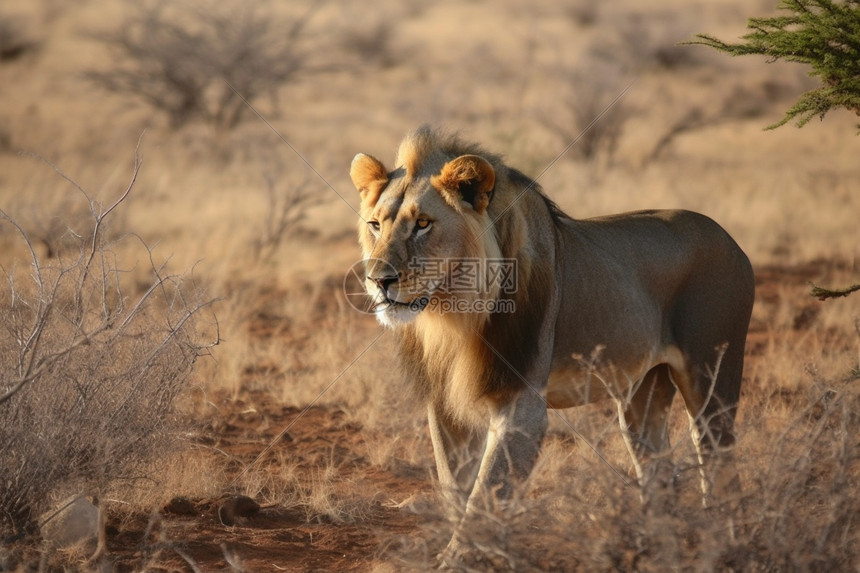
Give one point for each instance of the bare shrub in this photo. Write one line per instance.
(593, 114)
(186, 59)
(648, 41)
(372, 43)
(583, 14)
(55, 225)
(88, 370)
(286, 207)
(741, 103)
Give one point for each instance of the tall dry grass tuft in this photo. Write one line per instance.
(91, 362)
(801, 505)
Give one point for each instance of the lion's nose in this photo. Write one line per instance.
(384, 282)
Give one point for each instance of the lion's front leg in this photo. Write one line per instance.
(457, 451)
(513, 442)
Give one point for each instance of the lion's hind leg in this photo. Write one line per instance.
(710, 393)
(646, 423)
(709, 326)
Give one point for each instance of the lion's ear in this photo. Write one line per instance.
(468, 178)
(369, 177)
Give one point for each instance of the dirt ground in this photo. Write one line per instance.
(275, 538)
(278, 538)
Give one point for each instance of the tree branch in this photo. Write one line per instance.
(824, 293)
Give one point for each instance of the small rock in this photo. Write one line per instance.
(74, 522)
(180, 506)
(237, 507)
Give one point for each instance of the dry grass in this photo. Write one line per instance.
(797, 510)
(512, 76)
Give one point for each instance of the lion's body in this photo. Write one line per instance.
(677, 289)
(632, 306)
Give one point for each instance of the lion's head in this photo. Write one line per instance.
(424, 225)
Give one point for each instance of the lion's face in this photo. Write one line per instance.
(416, 228)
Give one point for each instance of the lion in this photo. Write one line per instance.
(505, 306)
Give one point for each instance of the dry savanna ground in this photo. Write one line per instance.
(189, 357)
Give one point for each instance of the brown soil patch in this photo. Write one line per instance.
(275, 538)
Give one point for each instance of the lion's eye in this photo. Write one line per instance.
(422, 226)
(374, 227)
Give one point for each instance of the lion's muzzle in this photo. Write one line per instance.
(393, 301)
